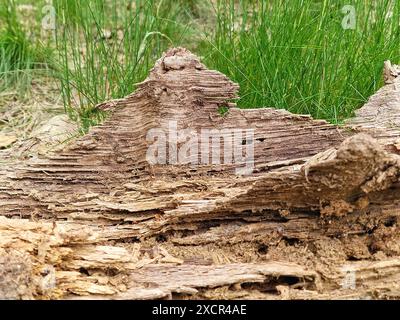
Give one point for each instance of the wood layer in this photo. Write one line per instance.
(311, 181)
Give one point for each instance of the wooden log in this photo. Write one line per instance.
(309, 181)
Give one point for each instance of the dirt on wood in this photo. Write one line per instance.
(316, 217)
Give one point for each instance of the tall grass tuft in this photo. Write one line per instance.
(19, 56)
(106, 47)
(296, 54)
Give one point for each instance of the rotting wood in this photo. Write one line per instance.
(312, 181)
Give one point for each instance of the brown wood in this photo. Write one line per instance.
(103, 220)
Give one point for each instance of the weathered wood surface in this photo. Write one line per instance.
(63, 260)
(312, 181)
(380, 116)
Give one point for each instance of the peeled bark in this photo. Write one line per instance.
(107, 221)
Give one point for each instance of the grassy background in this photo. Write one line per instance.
(19, 53)
(285, 54)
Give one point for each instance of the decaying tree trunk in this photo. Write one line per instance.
(320, 206)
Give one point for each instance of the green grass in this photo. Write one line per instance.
(296, 55)
(285, 54)
(106, 48)
(19, 55)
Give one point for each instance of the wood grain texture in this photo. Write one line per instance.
(311, 181)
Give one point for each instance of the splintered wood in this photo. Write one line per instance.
(317, 216)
